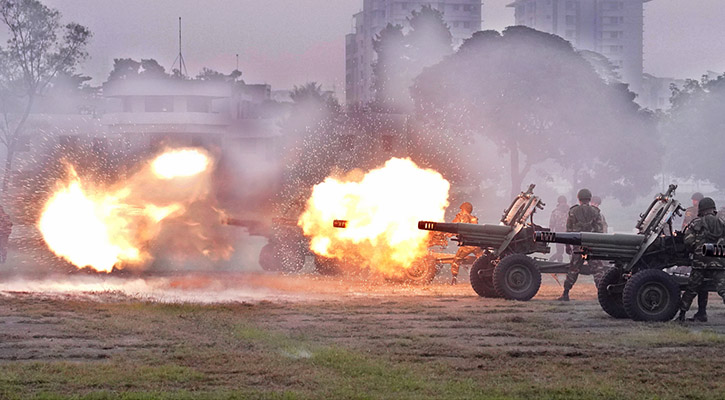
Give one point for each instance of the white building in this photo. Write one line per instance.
(462, 16)
(613, 28)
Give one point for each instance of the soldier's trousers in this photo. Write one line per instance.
(558, 256)
(575, 265)
(696, 283)
(461, 254)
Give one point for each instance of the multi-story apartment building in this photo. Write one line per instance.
(613, 28)
(462, 16)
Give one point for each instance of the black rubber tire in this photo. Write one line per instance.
(421, 272)
(651, 295)
(482, 277)
(327, 266)
(517, 277)
(270, 258)
(611, 302)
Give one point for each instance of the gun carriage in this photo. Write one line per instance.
(505, 269)
(637, 286)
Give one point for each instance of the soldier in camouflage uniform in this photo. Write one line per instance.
(582, 218)
(598, 267)
(464, 217)
(706, 228)
(690, 214)
(557, 223)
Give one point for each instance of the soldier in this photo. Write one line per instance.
(464, 217)
(582, 218)
(691, 212)
(597, 267)
(6, 227)
(706, 228)
(557, 223)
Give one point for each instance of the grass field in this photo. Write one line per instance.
(351, 341)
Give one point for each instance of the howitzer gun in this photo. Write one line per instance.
(713, 250)
(637, 287)
(504, 270)
(286, 248)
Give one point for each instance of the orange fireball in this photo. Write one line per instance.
(103, 228)
(382, 209)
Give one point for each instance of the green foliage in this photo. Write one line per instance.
(538, 100)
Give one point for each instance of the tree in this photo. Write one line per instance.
(693, 130)
(38, 49)
(208, 74)
(127, 68)
(537, 99)
(402, 57)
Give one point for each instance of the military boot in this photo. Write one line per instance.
(699, 317)
(564, 296)
(454, 280)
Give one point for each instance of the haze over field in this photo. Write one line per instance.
(272, 35)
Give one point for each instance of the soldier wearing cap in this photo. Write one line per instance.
(557, 223)
(598, 267)
(691, 212)
(583, 217)
(706, 228)
(464, 217)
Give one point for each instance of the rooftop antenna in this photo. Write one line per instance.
(237, 69)
(180, 58)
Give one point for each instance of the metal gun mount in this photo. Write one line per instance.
(627, 250)
(498, 238)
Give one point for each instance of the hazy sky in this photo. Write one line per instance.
(288, 42)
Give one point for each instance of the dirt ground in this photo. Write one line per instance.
(254, 335)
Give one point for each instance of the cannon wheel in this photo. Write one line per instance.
(270, 258)
(421, 271)
(611, 302)
(516, 277)
(651, 295)
(482, 277)
(274, 258)
(327, 266)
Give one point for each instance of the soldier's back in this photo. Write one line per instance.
(584, 218)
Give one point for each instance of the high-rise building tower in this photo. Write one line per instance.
(613, 28)
(462, 16)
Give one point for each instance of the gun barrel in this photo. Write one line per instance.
(465, 229)
(339, 223)
(571, 238)
(238, 222)
(713, 250)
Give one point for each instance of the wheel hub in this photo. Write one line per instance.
(653, 297)
(518, 278)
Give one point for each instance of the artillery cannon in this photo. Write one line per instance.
(636, 286)
(504, 269)
(424, 269)
(286, 249)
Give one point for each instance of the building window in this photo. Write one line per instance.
(456, 7)
(127, 105)
(571, 5)
(159, 104)
(455, 24)
(467, 25)
(571, 20)
(468, 7)
(198, 104)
